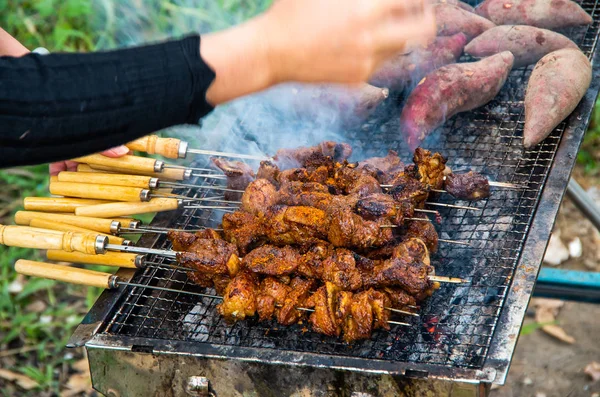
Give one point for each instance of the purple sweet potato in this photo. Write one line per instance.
(458, 3)
(451, 20)
(527, 43)
(408, 69)
(557, 84)
(546, 14)
(450, 90)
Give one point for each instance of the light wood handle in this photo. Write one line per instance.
(141, 181)
(110, 258)
(123, 209)
(96, 224)
(58, 204)
(31, 237)
(174, 174)
(153, 144)
(65, 227)
(64, 273)
(128, 162)
(88, 168)
(104, 192)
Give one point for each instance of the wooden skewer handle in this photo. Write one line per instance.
(125, 162)
(67, 274)
(174, 174)
(123, 209)
(96, 224)
(110, 258)
(57, 204)
(141, 181)
(104, 192)
(31, 237)
(153, 144)
(65, 227)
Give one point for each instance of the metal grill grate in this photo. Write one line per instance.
(456, 325)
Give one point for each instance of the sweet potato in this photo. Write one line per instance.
(408, 69)
(527, 43)
(451, 20)
(546, 14)
(450, 90)
(458, 3)
(557, 84)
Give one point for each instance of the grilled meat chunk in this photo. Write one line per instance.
(300, 291)
(399, 298)
(310, 194)
(425, 231)
(269, 171)
(239, 299)
(356, 181)
(293, 225)
(381, 205)
(388, 165)
(469, 186)
(211, 257)
(431, 167)
(239, 175)
(340, 269)
(288, 158)
(244, 230)
(347, 229)
(259, 196)
(408, 189)
(270, 297)
(311, 262)
(271, 260)
(324, 301)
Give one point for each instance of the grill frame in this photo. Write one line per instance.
(506, 330)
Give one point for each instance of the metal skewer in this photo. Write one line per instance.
(462, 207)
(231, 155)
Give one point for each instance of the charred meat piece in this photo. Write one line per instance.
(300, 291)
(324, 319)
(244, 230)
(271, 260)
(293, 225)
(239, 299)
(259, 196)
(271, 296)
(388, 165)
(311, 261)
(469, 186)
(356, 181)
(294, 175)
(431, 167)
(347, 229)
(399, 298)
(381, 205)
(297, 157)
(239, 175)
(424, 231)
(181, 240)
(409, 189)
(211, 257)
(269, 171)
(340, 269)
(310, 194)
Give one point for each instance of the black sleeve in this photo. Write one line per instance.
(60, 106)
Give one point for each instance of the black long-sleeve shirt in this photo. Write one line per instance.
(60, 106)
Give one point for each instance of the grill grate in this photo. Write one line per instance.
(456, 325)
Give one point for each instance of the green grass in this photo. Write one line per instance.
(589, 155)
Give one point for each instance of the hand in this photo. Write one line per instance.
(69, 165)
(342, 41)
(314, 41)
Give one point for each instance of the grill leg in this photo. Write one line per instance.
(584, 202)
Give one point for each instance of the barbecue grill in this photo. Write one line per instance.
(143, 341)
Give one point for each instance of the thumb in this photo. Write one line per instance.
(116, 151)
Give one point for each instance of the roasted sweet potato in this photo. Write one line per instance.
(546, 14)
(451, 20)
(450, 90)
(557, 84)
(527, 43)
(406, 70)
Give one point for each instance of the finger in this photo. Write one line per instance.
(55, 168)
(116, 151)
(402, 8)
(71, 165)
(396, 36)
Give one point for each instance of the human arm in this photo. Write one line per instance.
(61, 106)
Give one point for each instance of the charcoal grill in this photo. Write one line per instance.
(143, 341)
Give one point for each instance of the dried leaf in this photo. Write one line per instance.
(81, 366)
(546, 311)
(36, 307)
(553, 304)
(593, 370)
(22, 381)
(77, 383)
(559, 333)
